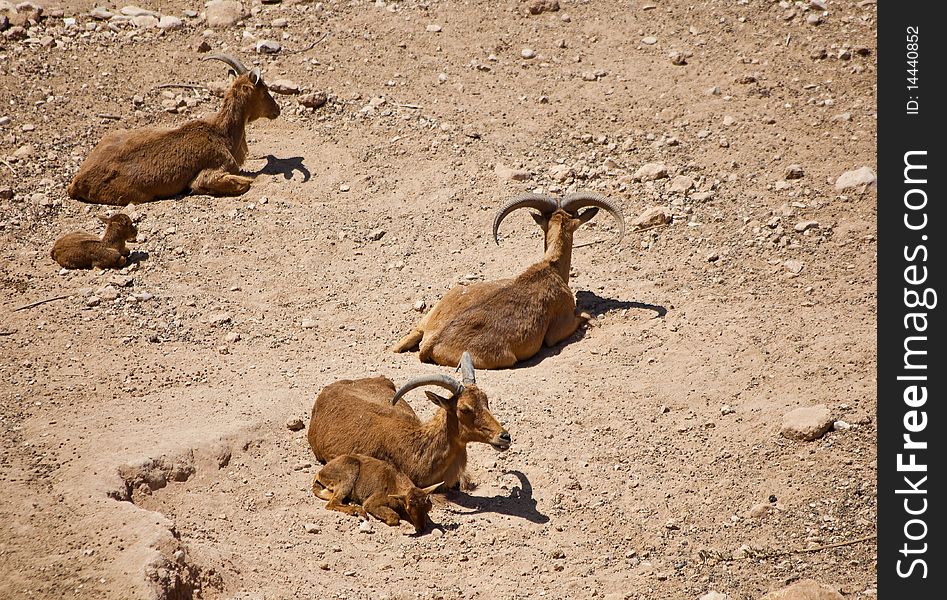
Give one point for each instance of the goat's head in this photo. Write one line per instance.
(250, 81)
(467, 403)
(417, 505)
(560, 214)
(120, 226)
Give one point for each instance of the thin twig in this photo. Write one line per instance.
(190, 86)
(2, 333)
(583, 245)
(755, 554)
(310, 46)
(835, 545)
(53, 299)
(8, 166)
(408, 106)
(109, 116)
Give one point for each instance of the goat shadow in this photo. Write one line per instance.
(594, 305)
(283, 166)
(136, 256)
(520, 502)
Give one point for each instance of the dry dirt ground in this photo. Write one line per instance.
(145, 451)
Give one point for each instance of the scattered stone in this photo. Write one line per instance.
(121, 280)
(144, 296)
(714, 595)
(528, 53)
(560, 172)
(681, 184)
(4, 120)
(170, 23)
(794, 266)
(107, 293)
(433, 28)
(268, 47)
(137, 11)
(649, 40)
(223, 13)
(309, 323)
(862, 178)
(313, 99)
(511, 174)
(420, 305)
(728, 121)
(589, 76)
(813, 19)
(376, 235)
(220, 319)
(313, 528)
(807, 423)
(365, 527)
(841, 425)
(294, 424)
(283, 86)
(760, 510)
(842, 117)
(726, 409)
(145, 21)
(540, 6)
(794, 172)
(677, 58)
(653, 217)
(203, 46)
(804, 225)
(100, 13)
(650, 172)
(806, 589)
(93, 301)
(280, 23)
(232, 337)
(703, 196)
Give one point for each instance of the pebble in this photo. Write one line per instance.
(280, 23)
(760, 510)
(433, 28)
(312, 528)
(365, 527)
(807, 423)
(793, 265)
(121, 280)
(804, 225)
(107, 293)
(376, 235)
(677, 58)
(144, 296)
(728, 121)
(420, 305)
(842, 117)
(652, 217)
(170, 23)
(841, 425)
(100, 13)
(714, 595)
(137, 11)
(589, 76)
(294, 424)
(814, 19)
(268, 47)
(309, 323)
(145, 21)
(726, 409)
(703, 196)
(4, 120)
(649, 40)
(681, 184)
(794, 172)
(284, 86)
(806, 589)
(540, 6)
(233, 336)
(511, 174)
(528, 53)
(223, 13)
(313, 100)
(862, 178)
(344, 187)
(220, 319)
(651, 172)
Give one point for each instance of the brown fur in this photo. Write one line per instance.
(374, 487)
(203, 155)
(356, 417)
(503, 322)
(82, 250)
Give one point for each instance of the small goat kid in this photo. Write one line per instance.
(367, 416)
(203, 155)
(506, 321)
(82, 250)
(374, 487)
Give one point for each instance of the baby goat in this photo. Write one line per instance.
(81, 250)
(506, 321)
(379, 488)
(203, 155)
(367, 416)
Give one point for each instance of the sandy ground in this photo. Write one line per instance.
(145, 452)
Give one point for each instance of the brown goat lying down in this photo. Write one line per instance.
(81, 250)
(506, 321)
(374, 487)
(203, 155)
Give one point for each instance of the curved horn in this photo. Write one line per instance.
(466, 366)
(542, 203)
(442, 380)
(431, 488)
(234, 64)
(573, 202)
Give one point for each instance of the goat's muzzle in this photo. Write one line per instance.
(502, 441)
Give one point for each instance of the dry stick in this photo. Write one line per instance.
(407, 106)
(190, 86)
(2, 333)
(109, 116)
(803, 550)
(8, 166)
(53, 299)
(310, 46)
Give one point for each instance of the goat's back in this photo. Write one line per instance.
(351, 417)
(83, 251)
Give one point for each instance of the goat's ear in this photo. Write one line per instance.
(586, 215)
(440, 400)
(540, 219)
(255, 76)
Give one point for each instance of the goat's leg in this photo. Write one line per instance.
(218, 182)
(409, 342)
(109, 258)
(319, 490)
(565, 326)
(350, 509)
(377, 506)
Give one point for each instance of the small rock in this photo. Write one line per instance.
(681, 184)
(93, 301)
(703, 196)
(220, 319)
(807, 423)
(284, 86)
(649, 40)
(842, 117)
(589, 76)
(4, 120)
(653, 217)
(223, 13)
(137, 11)
(841, 425)
(145, 21)
(100, 13)
(268, 47)
(365, 527)
(651, 172)
(280, 23)
(376, 235)
(420, 305)
(309, 323)
(677, 58)
(560, 172)
(760, 510)
(233, 336)
(313, 100)
(813, 19)
(806, 589)
(793, 265)
(726, 409)
(170, 23)
(714, 595)
(804, 225)
(312, 528)
(862, 178)
(794, 172)
(433, 28)
(536, 7)
(107, 293)
(295, 424)
(528, 53)
(121, 280)
(511, 174)
(143, 296)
